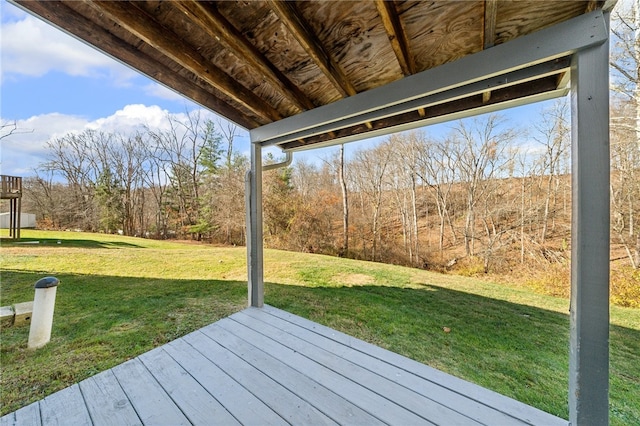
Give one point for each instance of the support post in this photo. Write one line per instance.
(18, 215)
(589, 318)
(254, 229)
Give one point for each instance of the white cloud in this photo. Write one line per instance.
(33, 48)
(26, 148)
(131, 118)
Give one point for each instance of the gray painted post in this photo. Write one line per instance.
(254, 229)
(589, 334)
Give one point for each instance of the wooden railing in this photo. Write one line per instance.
(12, 190)
(11, 187)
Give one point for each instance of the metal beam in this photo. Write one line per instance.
(493, 83)
(589, 318)
(485, 109)
(255, 260)
(551, 43)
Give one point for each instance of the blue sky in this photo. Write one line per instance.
(52, 84)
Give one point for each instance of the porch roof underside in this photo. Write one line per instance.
(308, 74)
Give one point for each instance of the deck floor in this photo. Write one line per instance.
(268, 367)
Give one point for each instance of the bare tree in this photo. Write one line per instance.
(625, 189)
(625, 125)
(48, 199)
(479, 150)
(369, 168)
(228, 131)
(402, 178)
(554, 136)
(10, 127)
(230, 197)
(155, 180)
(500, 219)
(437, 169)
(345, 203)
(318, 207)
(625, 62)
(188, 150)
(72, 157)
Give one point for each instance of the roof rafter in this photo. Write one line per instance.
(144, 27)
(522, 54)
(397, 35)
(489, 35)
(60, 13)
(217, 26)
(287, 13)
(490, 18)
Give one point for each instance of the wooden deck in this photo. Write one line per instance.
(268, 367)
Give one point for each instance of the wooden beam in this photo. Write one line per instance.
(490, 16)
(397, 35)
(591, 6)
(60, 14)
(144, 27)
(218, 27)
(288, 14)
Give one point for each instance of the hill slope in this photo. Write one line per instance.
(122, 296)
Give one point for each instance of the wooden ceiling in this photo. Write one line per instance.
(257, 62)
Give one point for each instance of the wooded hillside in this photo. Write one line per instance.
(490, 196)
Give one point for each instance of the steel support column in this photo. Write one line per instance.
(589, 334)
(254, 229)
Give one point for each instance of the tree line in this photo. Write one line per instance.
(485, 189)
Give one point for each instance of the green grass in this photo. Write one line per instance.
(121, 296)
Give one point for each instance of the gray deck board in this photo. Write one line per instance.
(338, 377)
(106, 401)
(152, 404)
(434, 393)
(200, 407)
(328, 402)
(28, 416)
(324, 351)
(64, 408)
(241, 403)
(283, 401)
(268, 367)
(471, 391)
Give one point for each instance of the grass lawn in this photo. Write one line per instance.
(120, 297)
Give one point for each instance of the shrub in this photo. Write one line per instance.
(469, 266)
(554, 280)
(625, 287)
